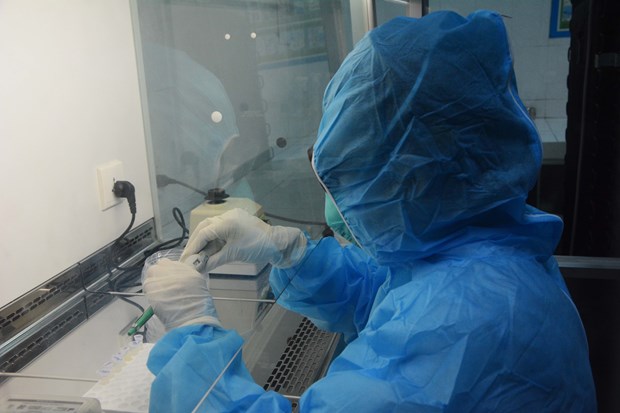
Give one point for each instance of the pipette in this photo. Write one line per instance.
(141, 321)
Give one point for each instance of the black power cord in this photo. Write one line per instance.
(122, 189)
(175, 242)
(125, 189)
(124, 280)
(296, 221)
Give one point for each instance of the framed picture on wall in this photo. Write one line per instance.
(561, 13)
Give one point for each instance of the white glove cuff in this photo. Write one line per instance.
(296, 252)
(300, 251)
(212, 321)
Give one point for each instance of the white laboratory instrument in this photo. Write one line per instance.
(240, 301)
(237, 287)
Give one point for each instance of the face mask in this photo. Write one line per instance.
(334, 220)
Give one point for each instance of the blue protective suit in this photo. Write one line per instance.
(453, 302)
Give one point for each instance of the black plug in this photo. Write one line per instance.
(125, 189)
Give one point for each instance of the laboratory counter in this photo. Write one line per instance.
(283, 351)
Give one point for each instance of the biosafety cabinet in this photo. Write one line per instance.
(231, 98)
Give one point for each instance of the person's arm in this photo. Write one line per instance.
(200, 364)
(191, 356)
(238, 236)
(197, 354)
(391, 365)
(189, 360)
(333, 286)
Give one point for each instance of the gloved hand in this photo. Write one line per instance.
(246, 238)
(179, 295)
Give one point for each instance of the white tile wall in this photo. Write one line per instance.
(552, 135)
(540, 62)
(69, 101)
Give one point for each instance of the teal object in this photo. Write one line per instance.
(453, 302)
(335, 222)
(141, 321)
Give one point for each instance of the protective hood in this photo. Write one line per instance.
(424, 144)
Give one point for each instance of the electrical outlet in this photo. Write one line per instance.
(107, 174)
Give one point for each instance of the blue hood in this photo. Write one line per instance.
(424, 144)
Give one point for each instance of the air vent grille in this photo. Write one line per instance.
(303, 360)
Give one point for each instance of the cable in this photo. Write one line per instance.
(112, 253)
(83, 282)
(125, 189)
(297, 221)
(122, 189)
(128, 273)
(118, 284)
(131, 302)
(175, 242)
(164, 180)
(122, 236)
(128, 301)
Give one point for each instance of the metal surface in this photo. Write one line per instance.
(287, 353)
(38, 376)
(412, 8)
(589, 267)
(303, 361)
(607, 60)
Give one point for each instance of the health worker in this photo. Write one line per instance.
(449, 298)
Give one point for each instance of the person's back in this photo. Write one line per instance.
(429, 154)
(516, 336)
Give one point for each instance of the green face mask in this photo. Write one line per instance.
(334, 220)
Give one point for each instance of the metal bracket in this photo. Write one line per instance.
(35, 321)
(601, 268)
(607, 60)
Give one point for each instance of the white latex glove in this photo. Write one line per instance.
(179, 295)
(239, 236)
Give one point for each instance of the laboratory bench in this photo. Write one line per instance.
(73, 331)
(283, 351)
